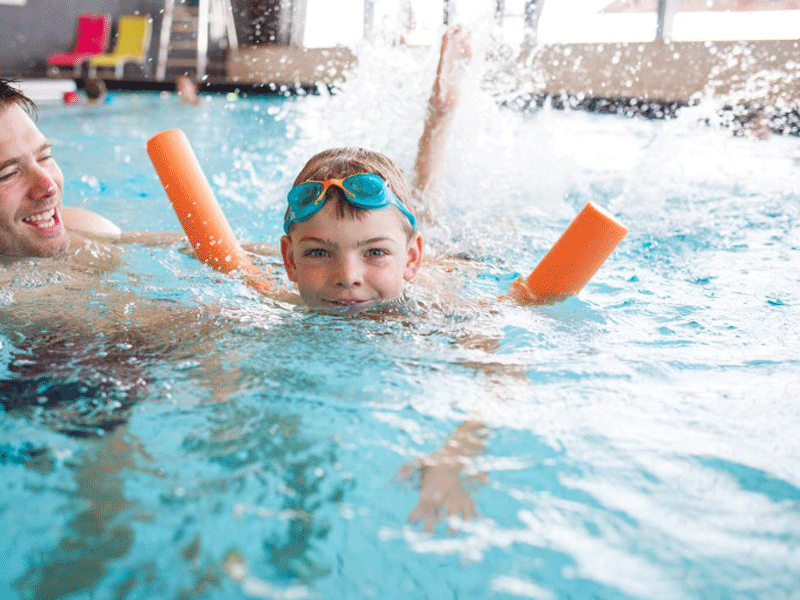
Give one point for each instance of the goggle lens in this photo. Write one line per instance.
(367, 189)
(304, 194)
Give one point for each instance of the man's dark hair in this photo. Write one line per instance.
(11, 95)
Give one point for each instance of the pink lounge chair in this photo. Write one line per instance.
(91, 39)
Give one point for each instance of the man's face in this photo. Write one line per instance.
(31, 189)
(351, 263)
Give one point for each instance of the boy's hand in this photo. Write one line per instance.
(456, 53)
(520, 292)
(442, 493)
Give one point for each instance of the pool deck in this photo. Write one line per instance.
(763, 73)
(44, 91)
(650, 78)
(758, 72)
(289, 66)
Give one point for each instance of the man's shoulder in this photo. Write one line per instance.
(89, 224)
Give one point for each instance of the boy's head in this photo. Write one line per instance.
(346, 255)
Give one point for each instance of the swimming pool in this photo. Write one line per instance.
(642, 439)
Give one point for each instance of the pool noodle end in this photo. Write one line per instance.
(194, 203)
(577, 255)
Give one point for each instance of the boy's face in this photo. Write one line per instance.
(31, 186)
(351, 263)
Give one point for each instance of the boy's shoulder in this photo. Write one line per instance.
(445, 276)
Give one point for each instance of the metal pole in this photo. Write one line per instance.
(203, 11)
(369, 18)
(446, 12)
(499, 10)
(230, 27)
(533, 10)
(666, 15)
(284, 33)
(164, 39)
(297, 34)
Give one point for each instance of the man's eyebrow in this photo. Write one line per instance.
(18, 159)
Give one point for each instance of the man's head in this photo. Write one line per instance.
(348, 256)
(31, 184)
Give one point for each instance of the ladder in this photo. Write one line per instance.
(214, 22)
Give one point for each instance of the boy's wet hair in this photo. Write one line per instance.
(9, 95)
(342, 162)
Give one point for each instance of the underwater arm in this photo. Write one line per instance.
(261, 249)
(456, 52)
(151, 238)
(442, 492)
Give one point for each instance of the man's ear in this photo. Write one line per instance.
(414, 257)
(288, 258)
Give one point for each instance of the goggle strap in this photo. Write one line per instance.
(388, 194)
(326, 184)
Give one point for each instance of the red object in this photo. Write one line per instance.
(71, 97)
(91, 39)
(578, 253)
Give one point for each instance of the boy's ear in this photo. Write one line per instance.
(288, 257)
(414, 257)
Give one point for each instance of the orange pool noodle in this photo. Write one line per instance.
(193, 200)
(575, 257)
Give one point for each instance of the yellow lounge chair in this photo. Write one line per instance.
(131, 45)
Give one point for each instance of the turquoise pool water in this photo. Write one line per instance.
(642, 439)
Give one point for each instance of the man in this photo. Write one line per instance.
(33, 220)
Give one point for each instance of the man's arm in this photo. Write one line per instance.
(90, 225)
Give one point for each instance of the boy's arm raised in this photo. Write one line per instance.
(456, 52)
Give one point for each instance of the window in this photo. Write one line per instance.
(575, 21)
(720, 20)
(328, 23)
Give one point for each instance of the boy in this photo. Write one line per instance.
(351, 239)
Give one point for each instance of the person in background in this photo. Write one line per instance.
(95, 90)
(187, 90)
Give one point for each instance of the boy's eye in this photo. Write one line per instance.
(316, 253)
(6, 175)
(376, 253)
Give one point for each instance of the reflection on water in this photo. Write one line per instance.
(94, 537)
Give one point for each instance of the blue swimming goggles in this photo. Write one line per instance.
(364, 190)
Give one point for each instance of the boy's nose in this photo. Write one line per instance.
(348, 273)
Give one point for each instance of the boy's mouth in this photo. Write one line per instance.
(347, 302)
